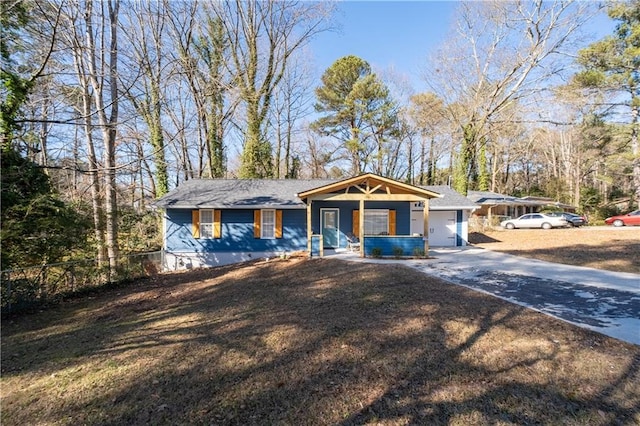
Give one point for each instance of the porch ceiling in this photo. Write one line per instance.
(368, 186)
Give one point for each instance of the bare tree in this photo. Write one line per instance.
(292, 103)
(180, 143)
(501, 54)
(579, 142)
(427, 114)
(94, 39)
(145, 33)
(75, 38)
(322, 155)
(262, 37)
(201, 47)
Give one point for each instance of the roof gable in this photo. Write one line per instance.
(368, 184)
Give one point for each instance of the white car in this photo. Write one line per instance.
(535, 220)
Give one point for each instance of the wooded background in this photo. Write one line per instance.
(107, 105)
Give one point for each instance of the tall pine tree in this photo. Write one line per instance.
(613, 65)
(357, 108)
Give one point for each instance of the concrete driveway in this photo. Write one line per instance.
(604, 301)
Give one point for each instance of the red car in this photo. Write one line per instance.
(628, 219)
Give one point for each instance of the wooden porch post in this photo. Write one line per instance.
(361, 226)
(309, 229)
(425, 218)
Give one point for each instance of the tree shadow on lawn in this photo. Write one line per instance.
(323, 342)
(481, 238)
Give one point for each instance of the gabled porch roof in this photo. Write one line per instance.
(369, 187)
(365, 188)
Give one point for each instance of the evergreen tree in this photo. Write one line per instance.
(612, 64)
(15, 88)
(25, 50)
(358, 109)
(37, 227)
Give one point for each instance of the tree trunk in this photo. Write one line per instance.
(635, 151)
(96, 202)
(76, 41)
(107, 124)
(110, 134)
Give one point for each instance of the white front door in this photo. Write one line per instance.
(442, 228)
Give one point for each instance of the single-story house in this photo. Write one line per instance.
(494, 207)
(550, 203)
(211, 222)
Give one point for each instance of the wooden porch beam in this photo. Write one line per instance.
(376, 188)
(368, 197)
(361, 226)
(309, 230)
(425, 218)
(362, 190)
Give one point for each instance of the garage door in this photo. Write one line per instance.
(442, 228)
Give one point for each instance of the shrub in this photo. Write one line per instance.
(419, 252)
(376, 252)
(397, 252)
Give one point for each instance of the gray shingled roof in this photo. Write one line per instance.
(239, 193)
(272, 193)
(451, 199)
(493, 198)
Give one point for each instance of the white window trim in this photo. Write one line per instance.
(202, 222)
(263, 225)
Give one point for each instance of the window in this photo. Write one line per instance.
(268, 224)
(376, 222)
(206, 223)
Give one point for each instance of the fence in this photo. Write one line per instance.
(24, 288)
(482, 223)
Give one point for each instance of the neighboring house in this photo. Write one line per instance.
(500, 206)
(495, 207)
(219, 221)
(550, 203)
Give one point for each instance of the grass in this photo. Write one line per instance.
(612, 249)
(317, 342)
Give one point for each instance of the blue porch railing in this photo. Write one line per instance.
(390, 245)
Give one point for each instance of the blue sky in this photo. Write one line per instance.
(396, 34)
(387, 34)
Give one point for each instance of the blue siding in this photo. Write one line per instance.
(237, 233)
(315, 245)
(402, 208)
(458, 228)
(388, 243)
(237, 230)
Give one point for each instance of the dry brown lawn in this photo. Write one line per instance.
(309, 342)
(614, 249)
